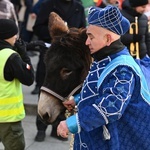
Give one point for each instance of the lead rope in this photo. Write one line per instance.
(67, 114)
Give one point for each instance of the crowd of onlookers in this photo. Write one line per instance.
(24, 13)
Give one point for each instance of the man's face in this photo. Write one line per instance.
(140, 9)
(96, 38)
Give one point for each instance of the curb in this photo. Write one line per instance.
(30, 109)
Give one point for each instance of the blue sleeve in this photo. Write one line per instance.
(72, 124)
(77, 98)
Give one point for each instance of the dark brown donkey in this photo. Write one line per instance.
(67, 64)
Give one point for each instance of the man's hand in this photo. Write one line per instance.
(62, 129)
(69, 103)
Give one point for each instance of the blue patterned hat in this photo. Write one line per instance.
(109, 18)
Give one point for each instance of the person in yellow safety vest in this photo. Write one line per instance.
(15, 69)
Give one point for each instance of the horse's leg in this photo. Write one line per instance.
(41, 130)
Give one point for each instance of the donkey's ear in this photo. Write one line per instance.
(56, 25)
(83, 34)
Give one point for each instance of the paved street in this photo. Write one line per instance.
(30, 132)
(29, 126)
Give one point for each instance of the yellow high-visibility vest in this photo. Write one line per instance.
(11, 96)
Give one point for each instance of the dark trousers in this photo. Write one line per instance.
(12, 136)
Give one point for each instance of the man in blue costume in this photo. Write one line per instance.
(113, 107)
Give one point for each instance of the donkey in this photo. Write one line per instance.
(67, 63)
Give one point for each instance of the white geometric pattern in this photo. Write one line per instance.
(115, 93)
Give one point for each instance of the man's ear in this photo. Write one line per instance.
(108, 39)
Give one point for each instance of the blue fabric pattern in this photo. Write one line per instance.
(128, 60)
(109, 18)
(118, 104)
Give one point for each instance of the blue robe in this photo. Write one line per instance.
(113, 107)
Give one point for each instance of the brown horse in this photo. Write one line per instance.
(67, 63)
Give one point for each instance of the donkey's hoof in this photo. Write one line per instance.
(40, 137)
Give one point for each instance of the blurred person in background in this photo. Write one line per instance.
(23, 16)
(7, 11)
(24, 34)
(147, 10)
(104, 3)
(17, 5)
(133, 10)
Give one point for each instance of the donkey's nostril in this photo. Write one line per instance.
(46, 116)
